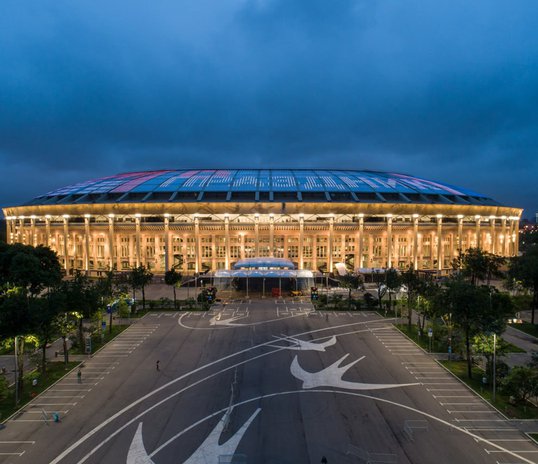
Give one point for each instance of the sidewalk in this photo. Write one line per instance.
(521, 340)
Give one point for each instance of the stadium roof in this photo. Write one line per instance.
(261, 185)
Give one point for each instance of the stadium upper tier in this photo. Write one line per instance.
(261, 185)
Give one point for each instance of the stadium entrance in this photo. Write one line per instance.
(265, 276)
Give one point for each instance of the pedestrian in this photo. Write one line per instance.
(323, 460)
(79, 376)
(157, 365)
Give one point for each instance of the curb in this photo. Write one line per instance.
(63, 377)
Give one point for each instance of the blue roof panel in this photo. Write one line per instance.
(262, 180)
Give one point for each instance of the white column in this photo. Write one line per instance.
(168, 259)
(138, 244)
(257, 234)
(198, 264)
(47, 230)
(389, 240)
(415, 241)
(361, 239)
(227, 234)
(478, 232)
(111, 241)
(301, 241)
(33, 238)
(86, 243)
(65, 250)
(504, 242)
(271, 235)
(493, 236)
(460, 233)
(440, 253)
(330, 257)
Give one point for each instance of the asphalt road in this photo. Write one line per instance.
(347, 386)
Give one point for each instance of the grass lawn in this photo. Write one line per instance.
(527, 327)
(440, 346)
(55, 370)
(459, 369)
(534, 436)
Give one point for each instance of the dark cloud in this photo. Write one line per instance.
(444, 90)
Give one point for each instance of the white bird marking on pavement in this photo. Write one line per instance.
(137, 452)
(332, 377)
(304, 345)
(210, 450)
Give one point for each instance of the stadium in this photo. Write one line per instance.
(203, 221)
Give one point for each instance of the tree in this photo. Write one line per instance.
(25, 272)
(478, 265)
(139, 277)
(524, 270)
(351, 282)
(411, 280)
(484, 344)
(15, 323)
(474, 309)
(43, 314)
(66, 323)
(82, 296)
(393, 283)
(33, 269)
(172, 278)
(521, 383)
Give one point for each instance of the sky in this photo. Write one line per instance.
(445, 90)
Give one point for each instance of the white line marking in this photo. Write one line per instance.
(21, 442)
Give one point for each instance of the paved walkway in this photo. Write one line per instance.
(521, 340)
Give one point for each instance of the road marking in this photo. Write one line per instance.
(54, 404)
(143, 398)
(71, 389)
(48, 412)
(20, 442)
(14, 454)
(471, 412)
(473, 403)
(62, 396)
(453, 390)
(514, 451)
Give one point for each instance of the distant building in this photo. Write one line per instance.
(3, 232)
(209, 219)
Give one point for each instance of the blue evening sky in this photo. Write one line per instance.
(446, 90)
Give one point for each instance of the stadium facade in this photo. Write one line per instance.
(207, 220)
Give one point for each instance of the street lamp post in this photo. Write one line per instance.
(263, 288)
(494, 367)
(247, 283)
(16, 371)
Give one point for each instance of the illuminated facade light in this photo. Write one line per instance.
(299, 223)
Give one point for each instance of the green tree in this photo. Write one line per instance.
(474, 310)
(524, 270)
(139, 278)
(43, 314)
(483, 344)
(411, 279)
(351, 282)
(478, 265)
(393, 283)
(82, 296)
(15, 323)
(521, 384)
(172, 278)
(66, 323)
